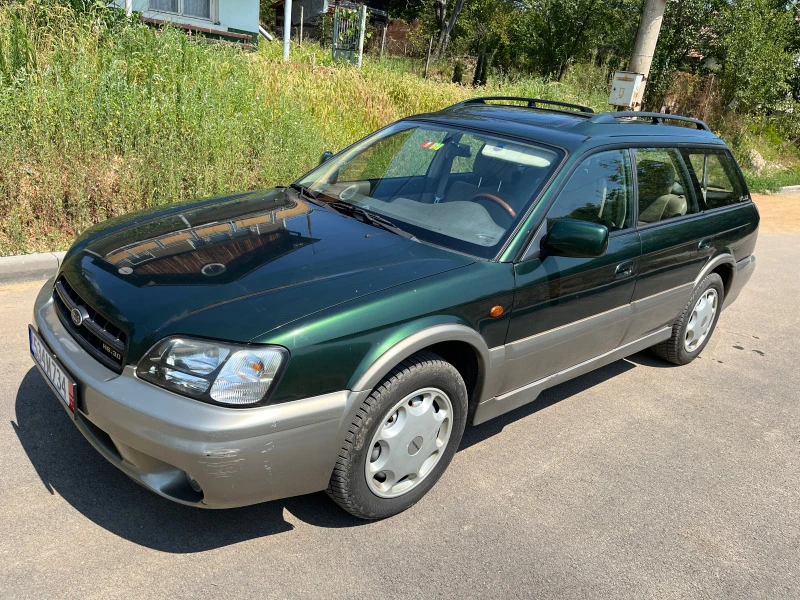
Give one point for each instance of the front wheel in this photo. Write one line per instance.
(402, 438)
(693, 329)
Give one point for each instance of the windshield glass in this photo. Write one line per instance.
(456, 188)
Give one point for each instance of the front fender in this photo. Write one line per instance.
(410, 339)
(354, 345)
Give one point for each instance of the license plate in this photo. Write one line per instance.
(62, 383)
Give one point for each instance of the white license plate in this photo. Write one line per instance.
(62, 383)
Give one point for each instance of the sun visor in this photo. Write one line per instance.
(521, 155)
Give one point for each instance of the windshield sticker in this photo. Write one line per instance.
(432, 145)
(426, 144)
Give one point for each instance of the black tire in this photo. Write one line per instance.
(674, 349)
(348, 486)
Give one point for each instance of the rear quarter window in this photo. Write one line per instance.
(717, 176)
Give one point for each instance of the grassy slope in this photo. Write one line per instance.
(97, 124)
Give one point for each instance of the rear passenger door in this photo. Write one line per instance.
(676, 238)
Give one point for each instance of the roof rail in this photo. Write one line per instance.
(532, 103)
(655, 118)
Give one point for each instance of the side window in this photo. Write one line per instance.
(600, 191)
(718, 177)
(664, 188)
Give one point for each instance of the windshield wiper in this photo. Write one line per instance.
(307, 193)
(370, 218)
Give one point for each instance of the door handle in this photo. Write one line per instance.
(623, 270)
(703, 245)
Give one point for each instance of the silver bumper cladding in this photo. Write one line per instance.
(237, 456)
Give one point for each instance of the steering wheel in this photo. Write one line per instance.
(497, 200)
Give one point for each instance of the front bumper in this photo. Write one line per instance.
(237, 456)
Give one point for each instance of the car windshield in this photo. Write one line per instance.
(457, 188)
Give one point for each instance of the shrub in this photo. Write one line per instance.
(458, 72)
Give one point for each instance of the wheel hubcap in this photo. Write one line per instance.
(409, 443)
(701, 320)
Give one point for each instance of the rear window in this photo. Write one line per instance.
(717, 178)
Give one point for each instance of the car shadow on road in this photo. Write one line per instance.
(549, 397)
(68, 465)
(648, 359)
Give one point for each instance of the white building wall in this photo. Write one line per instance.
(235, 14)
(239, 14)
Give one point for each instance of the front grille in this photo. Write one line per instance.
(99, 337)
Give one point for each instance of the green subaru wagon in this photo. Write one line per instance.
(339, 334)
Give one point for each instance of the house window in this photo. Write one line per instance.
(188, 8)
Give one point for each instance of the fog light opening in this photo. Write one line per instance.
(193, 484)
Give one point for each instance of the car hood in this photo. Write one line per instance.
(269, 255)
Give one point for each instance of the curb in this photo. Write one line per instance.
(788, 189)
(29, 267)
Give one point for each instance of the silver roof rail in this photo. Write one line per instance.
(531, 103)
(655, 118)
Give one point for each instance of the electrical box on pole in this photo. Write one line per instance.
(626, 89)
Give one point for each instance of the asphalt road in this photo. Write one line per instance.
(638, 480)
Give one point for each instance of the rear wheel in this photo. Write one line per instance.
(693, 329)
(402, 438)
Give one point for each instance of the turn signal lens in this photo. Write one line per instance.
(246, 375)
(496, 311)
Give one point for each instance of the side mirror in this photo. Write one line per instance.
(326, 156)
(578, 239)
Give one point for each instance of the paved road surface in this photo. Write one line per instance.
(638, 480)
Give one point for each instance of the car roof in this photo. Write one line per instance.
(569, 129)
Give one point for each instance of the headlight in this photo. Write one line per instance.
(229, 374)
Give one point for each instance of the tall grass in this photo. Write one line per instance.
(98, 117)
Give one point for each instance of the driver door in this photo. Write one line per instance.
(569, 310)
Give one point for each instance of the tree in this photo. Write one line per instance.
(557, 32)
(688, 34)
(445, 24)
(754, 45)
(486, 30)
(794, 49)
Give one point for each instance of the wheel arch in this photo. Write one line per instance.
(724, 265)
(460, 345)
(725, 270)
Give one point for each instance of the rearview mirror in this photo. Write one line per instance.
(326, 156)
(462, 150)
(578, 239)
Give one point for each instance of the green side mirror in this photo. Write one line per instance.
(579, 239)
(326, 156)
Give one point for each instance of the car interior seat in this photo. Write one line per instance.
(657, 197)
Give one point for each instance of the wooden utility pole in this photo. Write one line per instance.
(646, 39)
